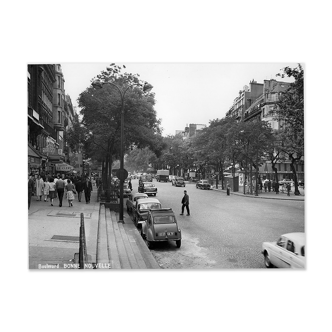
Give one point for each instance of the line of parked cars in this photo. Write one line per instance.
(156, 223)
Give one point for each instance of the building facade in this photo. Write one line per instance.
(261, 106)
(46, 118)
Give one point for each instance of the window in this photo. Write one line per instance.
(59, 82)
(290, 246)
(59, 116)
(164, 220)
(281, 242)
(285, 165)
(59, 99)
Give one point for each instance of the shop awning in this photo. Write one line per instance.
(32, 153)
(63, 167)
(35, 121)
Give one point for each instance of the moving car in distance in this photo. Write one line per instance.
(203, 184)
(287, 252)
(142, 207)
(161, 225)
(179, 182)
(132, 198)
(172, 179)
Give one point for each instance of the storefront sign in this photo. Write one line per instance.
(63, 167)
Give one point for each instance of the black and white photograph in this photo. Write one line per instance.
(166, 166)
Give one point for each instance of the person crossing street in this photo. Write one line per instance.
(185, 203)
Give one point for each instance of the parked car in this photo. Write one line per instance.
(179, 182)
(287, 252)
(203, 184)
(126, 190)
(161, 225)
(132, 198)
(142, 207)
(148, 188)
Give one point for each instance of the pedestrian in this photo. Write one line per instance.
(87, 187)
(265, 185)
(52, 191)
(39, 187)
(46, 189)
(269, 185)
(70, 189)
(79, 189)
(130, 185)
(31, 185)
(60, 188)
(185, 203)
(288, 186)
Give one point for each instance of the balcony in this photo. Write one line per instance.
(59, 127)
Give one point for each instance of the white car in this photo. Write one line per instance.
(287, 252)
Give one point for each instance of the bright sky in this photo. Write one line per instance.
(185, 92)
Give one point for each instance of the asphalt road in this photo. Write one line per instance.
(223, 232)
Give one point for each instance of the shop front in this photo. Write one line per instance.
(34, 161)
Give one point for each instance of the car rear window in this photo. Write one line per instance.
(148, 185)
(164, 220)
(146, 206)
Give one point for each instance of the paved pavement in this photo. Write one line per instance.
(54, 237)
(269, 195)
(266, 195)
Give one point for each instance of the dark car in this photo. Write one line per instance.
(126, 190)
(161, 225)
(142, 206)
(203, 184)
(148, 188)
(179, 182)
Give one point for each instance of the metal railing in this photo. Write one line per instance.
(82, 250)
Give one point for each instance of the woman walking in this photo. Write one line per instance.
(39, 188)
(51, 184)
(70, 195)
(46, 189)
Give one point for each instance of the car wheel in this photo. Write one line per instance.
(149, 244)
(267, 261)
(178, 243)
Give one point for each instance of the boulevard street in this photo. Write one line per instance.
(224, 232)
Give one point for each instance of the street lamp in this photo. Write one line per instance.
(97, 84)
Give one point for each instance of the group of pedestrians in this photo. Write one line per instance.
(52, 187)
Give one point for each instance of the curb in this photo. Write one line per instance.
(262, 197)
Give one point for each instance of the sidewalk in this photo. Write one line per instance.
(268, 195)
(54, 237)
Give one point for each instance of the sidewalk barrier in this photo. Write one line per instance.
(82, 249)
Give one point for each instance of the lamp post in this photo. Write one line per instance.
(122, 172)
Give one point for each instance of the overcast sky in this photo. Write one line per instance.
(185, 92)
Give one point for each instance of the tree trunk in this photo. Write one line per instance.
(250, 174)
(296, 186)
(222, 176)
(275, 176)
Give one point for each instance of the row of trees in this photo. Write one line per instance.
(225, 142)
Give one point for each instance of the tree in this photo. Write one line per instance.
(101, 111)
(290, 114)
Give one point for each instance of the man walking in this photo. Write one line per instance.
(79, 188)
(185, 203)
(60, 188)
(30, 189)
(87, 187)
